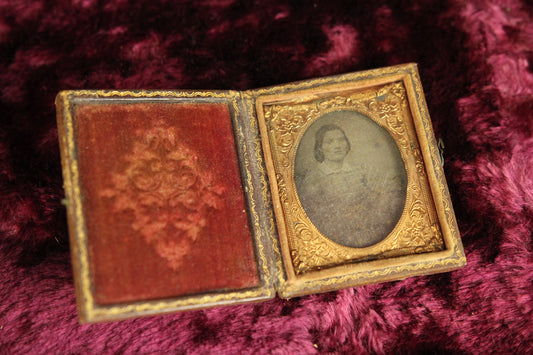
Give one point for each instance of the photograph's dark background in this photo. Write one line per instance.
(476, 64)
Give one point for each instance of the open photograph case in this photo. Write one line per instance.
(181, 200)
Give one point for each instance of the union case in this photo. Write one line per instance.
(180, 200)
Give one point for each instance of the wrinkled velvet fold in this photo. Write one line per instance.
(475, 60)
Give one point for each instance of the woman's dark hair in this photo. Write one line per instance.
(319, 139)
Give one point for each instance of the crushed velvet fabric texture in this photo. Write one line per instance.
(476, 64)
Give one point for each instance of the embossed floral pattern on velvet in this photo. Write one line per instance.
(476, 63)
(167, 192)
(165, 211)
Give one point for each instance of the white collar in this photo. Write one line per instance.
(329, 171)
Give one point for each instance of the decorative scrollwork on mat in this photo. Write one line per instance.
(417, 231)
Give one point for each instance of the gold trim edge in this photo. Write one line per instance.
(266, 199)
(247, 179)
(455, 258)
(445, 197)
(89, 310)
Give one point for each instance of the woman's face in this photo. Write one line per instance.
(334, 146)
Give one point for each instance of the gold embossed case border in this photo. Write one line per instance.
(397, 219)
(308, 234)
(254, 186)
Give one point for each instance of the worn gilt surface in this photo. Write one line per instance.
(90, 311)
(417, 230)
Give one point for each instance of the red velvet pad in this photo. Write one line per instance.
(163, 200)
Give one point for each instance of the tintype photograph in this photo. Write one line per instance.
(350, 178)
(356, 180)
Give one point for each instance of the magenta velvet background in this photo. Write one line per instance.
(476, 65)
